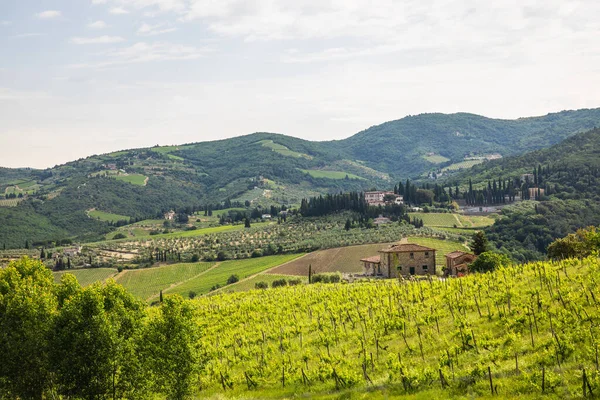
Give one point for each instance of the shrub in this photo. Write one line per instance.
(326, 278)
(120, 236)
(489, 261)
(257, 253)
(279, 283)
(119, 269)
(192, 294)
(294, 282)
(232, 279)
(261, 285)
(215, 287)
(222, 256)
(195, 258)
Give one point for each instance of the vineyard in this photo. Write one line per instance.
(528, 330)
(236, 242)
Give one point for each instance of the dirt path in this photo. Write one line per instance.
(457, 220)
(146, 181)
(174, 285)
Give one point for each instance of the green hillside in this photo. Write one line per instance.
(569, 175)
(261, 169)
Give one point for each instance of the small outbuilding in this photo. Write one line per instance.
(457, 263)
(372, 266)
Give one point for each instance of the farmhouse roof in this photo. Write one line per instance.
(374, 260)
(455, 254)
(406, 247)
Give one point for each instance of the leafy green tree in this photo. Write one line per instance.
(28, 305)
(94, 341)
(580, 244)
(171, 349)
(489, 261)
(480, 243)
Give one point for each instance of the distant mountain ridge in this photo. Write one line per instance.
(262, 168)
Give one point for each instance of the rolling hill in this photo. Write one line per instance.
(261, 168)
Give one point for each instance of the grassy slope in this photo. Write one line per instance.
(134, 179)
(87, 276)
(459, 326)
(317, 173)
(105, 216)
(219, 275)
(148, 282)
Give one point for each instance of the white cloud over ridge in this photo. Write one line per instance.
(97, 25)
(97, 40)
(49, 14)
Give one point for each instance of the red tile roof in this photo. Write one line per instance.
(406, 247)
(456, 254)
(374, 259)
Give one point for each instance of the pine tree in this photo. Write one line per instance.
(480, 243)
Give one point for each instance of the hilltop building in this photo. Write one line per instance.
(378, 198)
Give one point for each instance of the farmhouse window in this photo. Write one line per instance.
(426, 254)
(425, 267)
(412, 256)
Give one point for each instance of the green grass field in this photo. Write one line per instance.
(284, 151)
(148, 282)
(87, 276)
(436, 159)
(462, 165)
(317, 173)
(104, 216)
(134, 179)
(450, 220)
(219, 275)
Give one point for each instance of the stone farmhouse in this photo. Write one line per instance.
(457, 263)
(402, 259)
(407, 259)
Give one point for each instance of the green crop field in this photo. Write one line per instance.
(134, 179)
(104, 216)
(462, 165)
(281, 149)
(203, 283)
(450, 220)
(436, 159)
(317, 173)
(148, 282)
(437, 219)
(87, 276)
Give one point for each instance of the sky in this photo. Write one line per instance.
(83, 77)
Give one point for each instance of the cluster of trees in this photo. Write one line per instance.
(581, 244)
(331, 203)
(94, 342)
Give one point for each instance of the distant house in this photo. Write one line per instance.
(112, 167)
(372, 266)
(71, 251)
(527, 178)
(378, 198)
(457, 263)
(534, 192)
(266, 216)
(407, 259)
(170, 216)
(381, 220)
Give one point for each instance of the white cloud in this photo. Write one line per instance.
(143, 52)
(28, 35)
(153, 30)
(98, 1)
(97, 25)
(118, 11)
(5, 23)
(49, 14)
(97, 40)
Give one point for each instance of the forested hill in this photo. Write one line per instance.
(569, 175)
(400, 147)
(261, 168)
